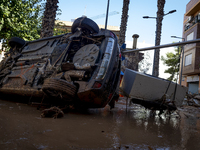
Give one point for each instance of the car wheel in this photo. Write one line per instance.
(85, 24)
(58, 87)
(16, 41)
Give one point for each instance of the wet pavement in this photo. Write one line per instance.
(21, 127)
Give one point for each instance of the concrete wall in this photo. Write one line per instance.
(146, 87)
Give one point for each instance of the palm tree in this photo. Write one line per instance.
(159, 18)
(122, 35)
(49, 18)
(131, 60)
(124, 19)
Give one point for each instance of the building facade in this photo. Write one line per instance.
(191, 58)
(68, 25)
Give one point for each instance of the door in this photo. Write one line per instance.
(193, 87)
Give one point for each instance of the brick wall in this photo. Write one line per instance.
(191, 4)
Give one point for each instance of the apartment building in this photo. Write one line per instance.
(191, 60)
(68, 25)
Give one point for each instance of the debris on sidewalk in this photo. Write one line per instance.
(193, 99)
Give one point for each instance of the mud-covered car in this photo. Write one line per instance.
(81, 67)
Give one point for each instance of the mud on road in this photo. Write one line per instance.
(21, 127)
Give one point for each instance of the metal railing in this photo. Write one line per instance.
(163, 46)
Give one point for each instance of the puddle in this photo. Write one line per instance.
(121, 128)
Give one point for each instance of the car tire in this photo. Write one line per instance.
(54, 87)
(16, 41)
(85, 24)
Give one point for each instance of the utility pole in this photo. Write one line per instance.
(182, 50)
(107, 14)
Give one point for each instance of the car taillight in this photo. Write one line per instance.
(120, 55)
(97, 85)
(106, 59)
(112, 34)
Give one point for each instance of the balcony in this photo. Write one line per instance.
(191, 22)
(192, 7)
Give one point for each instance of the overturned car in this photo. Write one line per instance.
(81, 67)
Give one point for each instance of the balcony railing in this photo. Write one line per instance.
(192, 22)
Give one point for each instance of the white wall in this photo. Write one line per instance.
(2, 53)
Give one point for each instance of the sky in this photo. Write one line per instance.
(145, 28)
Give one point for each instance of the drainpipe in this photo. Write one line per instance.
(135, 37)
(135, 55)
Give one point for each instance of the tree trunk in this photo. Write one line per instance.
(160, 13)
(131, 58)
(124, 19)
(49, 18)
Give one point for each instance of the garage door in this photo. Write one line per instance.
(193, 87)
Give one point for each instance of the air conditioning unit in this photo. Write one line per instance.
(187, 26)
(190, 19)
(198, 17)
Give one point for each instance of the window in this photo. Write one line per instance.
(188, 59)
(190, 36)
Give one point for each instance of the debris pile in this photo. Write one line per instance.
(161, 104)
(193, 100)
(54, 112)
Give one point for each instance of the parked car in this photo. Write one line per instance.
(81, 67)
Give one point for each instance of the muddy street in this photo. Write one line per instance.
(21, 127)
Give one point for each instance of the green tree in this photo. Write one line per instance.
(60, 28)
(19, 18)
(172, 60)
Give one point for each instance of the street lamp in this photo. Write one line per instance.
(147, 17)
(182, 56)
(170, 12)
(178, 37)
